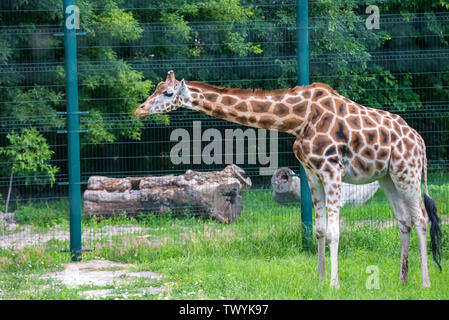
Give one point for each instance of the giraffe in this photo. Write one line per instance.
(337, 140)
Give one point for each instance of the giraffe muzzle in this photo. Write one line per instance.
(141, 113)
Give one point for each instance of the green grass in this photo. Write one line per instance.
(259, 256)
(43, 213)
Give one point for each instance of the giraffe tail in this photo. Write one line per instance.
(431, 208)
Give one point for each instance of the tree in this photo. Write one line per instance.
(130, 44)
(28, 154)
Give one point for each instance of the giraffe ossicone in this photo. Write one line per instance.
(337, 140)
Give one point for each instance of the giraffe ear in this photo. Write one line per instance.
(181, 86)
(171, 77)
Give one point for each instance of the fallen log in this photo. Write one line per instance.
(286, 189)
(216, 194)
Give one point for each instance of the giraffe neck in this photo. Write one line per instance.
(284, 110)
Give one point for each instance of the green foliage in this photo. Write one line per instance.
(35, 107)
(178, 31)
(127, 86)
(444, 4)
(29, 153)
(126, 52)
(344, 38)
(98, 130)
(128, 89)
(381, 89)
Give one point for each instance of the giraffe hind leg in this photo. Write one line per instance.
(413, 202)
(400, 211)
(408, 194)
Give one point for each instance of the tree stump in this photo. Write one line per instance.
(216, 194)
(227, 203)
(287, 189)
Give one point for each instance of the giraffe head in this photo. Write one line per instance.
(169, 95)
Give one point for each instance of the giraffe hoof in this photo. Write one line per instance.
(335, 284)
(322, 276)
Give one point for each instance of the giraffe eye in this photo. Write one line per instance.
(168, 93)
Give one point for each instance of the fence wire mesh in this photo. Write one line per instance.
(125, 48)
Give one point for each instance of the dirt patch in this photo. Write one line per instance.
(27, 236)
(101, 273)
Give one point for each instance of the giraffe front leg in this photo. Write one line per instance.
(319, 204)
(332, 188)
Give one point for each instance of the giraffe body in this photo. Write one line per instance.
(337, 140)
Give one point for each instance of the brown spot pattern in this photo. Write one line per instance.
(344, 151)
(207, 106)
(330, 151)
(211, 96)
(380, 165)
(281, 110)
(368, 123)
(266, 122)
(218, 112)
(375, 117)
(387, 123)
(316, 112)
(229, 101)
(242, 107)
(384, 137)
(300, 109)
(362, 165)
(397, 128)
(394, 137)
(260, 106)
(289, 124)
(368, 153)
(370, 136)
(383, 154)
(242, 119)
(306, 94)
(328, 104)
(320, 144)
(356, 141)
(318, 94)
(294, 100)
(316, 162)
(340, 132)
(352, 109)
(341, 108)
(324, 123)
(354, 122)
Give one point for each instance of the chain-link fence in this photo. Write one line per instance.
(392, 56)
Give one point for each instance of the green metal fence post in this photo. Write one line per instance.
(302, 40)
(71, 80)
